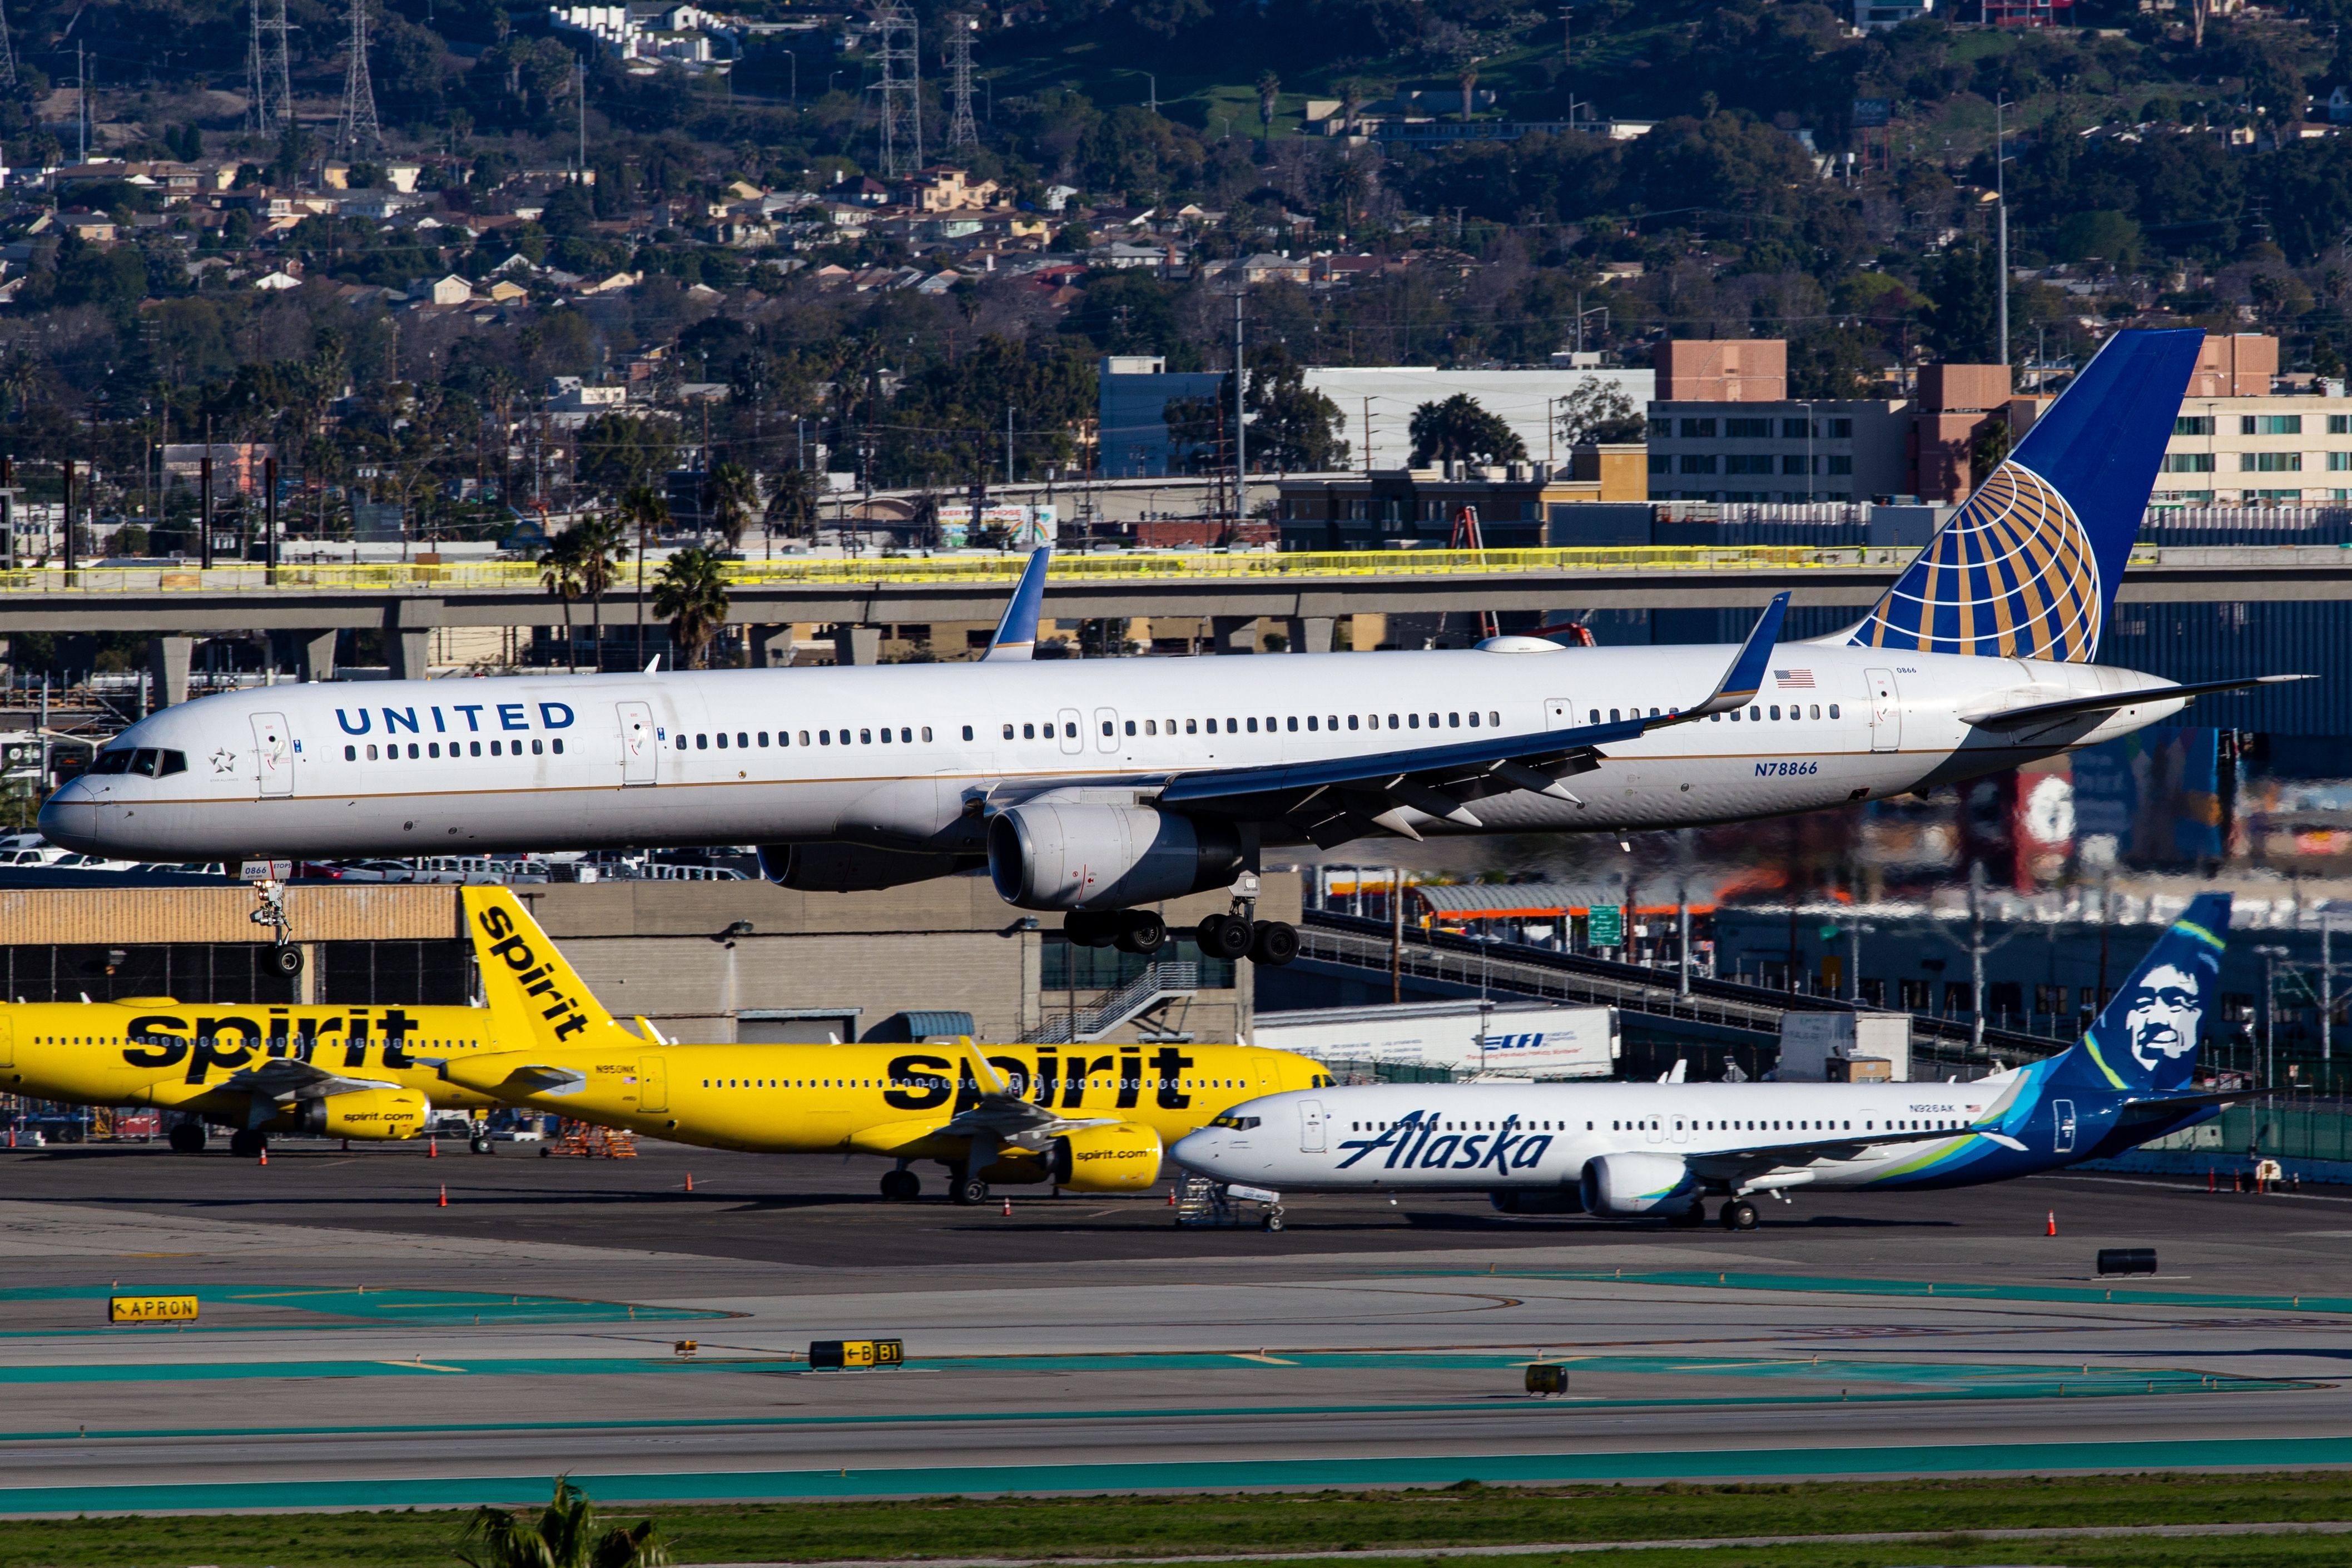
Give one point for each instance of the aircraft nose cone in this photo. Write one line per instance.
(69, 818)
(1196, 1151)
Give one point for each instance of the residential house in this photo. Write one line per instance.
(942, 189)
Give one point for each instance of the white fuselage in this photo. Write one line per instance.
(1486, 1136)
(913, 756)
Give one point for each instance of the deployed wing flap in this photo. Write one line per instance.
(283, 1078)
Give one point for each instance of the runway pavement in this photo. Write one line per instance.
(362, 1344)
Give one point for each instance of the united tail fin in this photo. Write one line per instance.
(2029, 566)
(2146, 1039)
(526, 979)
(1016, 634)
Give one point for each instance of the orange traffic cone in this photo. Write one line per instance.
(689, 1180)
(2053, 1224)
(1008, 1208)
(265, 1155)
(433, 1148)
(1171, 1198)
(444, 1195)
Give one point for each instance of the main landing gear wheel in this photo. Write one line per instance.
(1142, 932)
(1690, 1218)
(902, 1186)
(1274, 944)
(968, 1192)
(187, 1138)
(246, 1143)
(1739, 1215)
(286, 961)
(1090, 928)
(1224, 936)
(480, 1143)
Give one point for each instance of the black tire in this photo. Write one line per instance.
(969, 1191)
(1272, 1222)
(479, 1145)
(1739, 1215)
(247, 1144)
(1274, 944)
(1142, 933)
(902, 1186)
(1087, 929)
(1224, 936)
(187, 1138)
(286, 961)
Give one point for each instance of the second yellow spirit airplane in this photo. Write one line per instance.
(1094, 1118)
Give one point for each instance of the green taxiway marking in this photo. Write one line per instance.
(1958, 1290)
(636, 1489)
(417, 1307)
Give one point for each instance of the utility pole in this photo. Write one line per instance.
(1396, 935)
(1241, 435)
(1975, 959)
(205, 498)
(2000, 220)
(2271, 955)
(356, 130)
(900, 120)
(81, 101)
(961, 132)
(1681, 941)
(2326, 993)
(579, 74)
(269, 516)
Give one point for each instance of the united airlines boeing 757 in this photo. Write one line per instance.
(1100, 788)
(1626, 1150)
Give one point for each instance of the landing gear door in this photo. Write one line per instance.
(275, 750)
(640, 745)
(1885, 710)
(1560, 713)
(1310, 1126)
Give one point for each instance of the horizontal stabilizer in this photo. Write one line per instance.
(2113, 701)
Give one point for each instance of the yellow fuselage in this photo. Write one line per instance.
(154, 1050)
(878, 1099)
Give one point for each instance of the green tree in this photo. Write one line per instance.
(1460, 430)
(729, 499)
(558, 573)
(1291, 425)
(619, 452)
(602, 546)
(1598, 410)
(643, 509)
(2107, 236)
(691, 595)
(793, 500)
(1963, 324)
(568, 1533)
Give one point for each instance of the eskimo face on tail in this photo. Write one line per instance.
(2162, 1012)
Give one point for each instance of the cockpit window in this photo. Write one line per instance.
(172, 762)
(114, 762)
(1238, 1123)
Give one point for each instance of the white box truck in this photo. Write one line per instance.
(1514, 1039)
(1815, 1046)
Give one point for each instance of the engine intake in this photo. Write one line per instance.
(1050, 855)
(1124, 1158)
(378, 1113)
(1619, 1186)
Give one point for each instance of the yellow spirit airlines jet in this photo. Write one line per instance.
(1093, 1117)
(256, 1068)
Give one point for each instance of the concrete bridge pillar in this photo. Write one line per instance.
(317, 655)
(167, 662)
(772, 648)
(1234, 634)
(408, 637)
(1308, 634)
(856, 644)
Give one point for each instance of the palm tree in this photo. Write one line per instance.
(564, 1535)
(559, 572)
(642, 506)
(691, 595)
(793, 501)
(730, 497)
(603, 544)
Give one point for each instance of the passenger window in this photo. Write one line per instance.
(742, 740)
(1109, 730)
(1816, 711)
(681, 743)
(1253, 725)
(411, 750)
(1028, 732)
(864, 737)
(1310, 721)
(886, 734)
(1776, 710)
(1233, 726)
(1493, 719)
(1352, 721)
(803, 737)
(701, 743)
(557, 743)
(1008, 731)
(967, 731)
(1735, 715)
(1413, 720)
(1293, 725)
(350, 753)
(1593, 717)
(1191, 726)
(764, 738)
(926, 734)
(1392, 721)
(1131, 727)
(1151, 727)
(370, 753)
(1834, 712)
(825, 738)
(538, 748)
(722, 739)
(1474, 717)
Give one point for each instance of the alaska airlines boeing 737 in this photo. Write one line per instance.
(1626, 1150)
(1097, 787)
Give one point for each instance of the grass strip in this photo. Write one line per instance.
(1333, 1521)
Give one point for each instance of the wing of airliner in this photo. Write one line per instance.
(283, 1078)
(1340, 798)
(2110, 701)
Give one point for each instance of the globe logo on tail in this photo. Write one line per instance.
(2012, 575)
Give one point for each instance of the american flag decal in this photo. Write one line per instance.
(1798, 678)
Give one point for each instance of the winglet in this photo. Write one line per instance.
(1746, 676)
(1016, 634)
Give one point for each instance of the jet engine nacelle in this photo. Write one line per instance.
(1124, 1158)
(380, 1113)
(1049, 856)
(851, 867)
(1619, 1186)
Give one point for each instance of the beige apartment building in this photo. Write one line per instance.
(2258, 451)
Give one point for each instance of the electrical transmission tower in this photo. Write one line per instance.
(256, 102)
(901, 87)
(7, 52)
(267, 70)
(961, 132)
(356, 130)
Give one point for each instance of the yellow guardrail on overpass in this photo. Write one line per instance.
(1247, 565)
